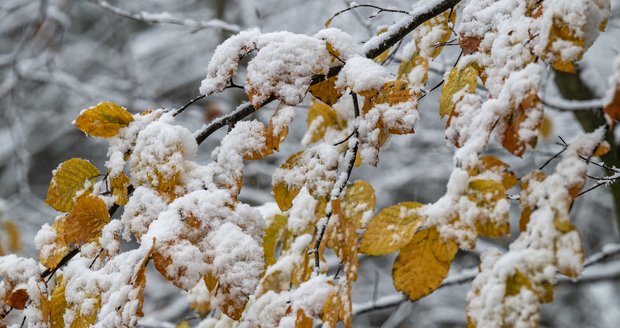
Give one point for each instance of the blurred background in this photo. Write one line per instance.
(58, 57)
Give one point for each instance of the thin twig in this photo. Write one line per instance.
(340, 184)
(165, 18)
(380, 10)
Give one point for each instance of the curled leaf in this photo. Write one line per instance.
(70, 178)
(103, 120)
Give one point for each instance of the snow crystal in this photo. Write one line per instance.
(362, 74)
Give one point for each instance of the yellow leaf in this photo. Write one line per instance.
(103, 120)
(515, 282)
(17, 299)
(85, 221)
(284, 194)
(119, 185)
(183, 324)
(465, 79)
(484, 191)
(326, 91)
(602, 149)
(391, 229)
(359, 200)
(58, 305)
(14, 237)
(69, 178)
(271, 238)
(328, 118)
(423, 264)
(331, 309)
(546, 127)
(210, 281)
(82, 320)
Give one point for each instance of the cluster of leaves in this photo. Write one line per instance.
(267, 266)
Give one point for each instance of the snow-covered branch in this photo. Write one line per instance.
(167, 18)
(573, 105)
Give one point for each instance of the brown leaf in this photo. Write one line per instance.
(18, 299)
(326, 91)
(13, 235)
(119, 185)
(528, 111)
(613, 109)
(85, 221)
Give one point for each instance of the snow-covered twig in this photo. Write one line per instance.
(379, 10)
(572, 105)
(166, 18)
(468, 275)
(350, 156)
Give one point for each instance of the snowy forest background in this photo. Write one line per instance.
(58, 57)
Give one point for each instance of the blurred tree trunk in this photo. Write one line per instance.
(571, 87)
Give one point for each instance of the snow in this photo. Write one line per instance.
(361, 74)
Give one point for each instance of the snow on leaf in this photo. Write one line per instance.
(119, 185)
(85, 221)
(523, 125)
(58, 304)
(283, 193)
(392, 228)
(458, 79)
(359, 203)
(103, 120)
(423, 264)
(71, 179)
(320, 118)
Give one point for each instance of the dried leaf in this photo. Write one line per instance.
(465, 79)
(85, 221)
(469, 44)
(528, 116)
(18, 299)
(613, 108)
(103, 120)
(391, 229)
(331, 309)
(69, 178)
(359, 200)
(326, 91)
(423, 264)
(284, 194)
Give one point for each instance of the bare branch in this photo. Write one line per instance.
(563, 105)
(166, 18)
(468, 275)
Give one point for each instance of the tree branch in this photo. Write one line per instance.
(350, 155)
(166, 18)
(468, 275)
